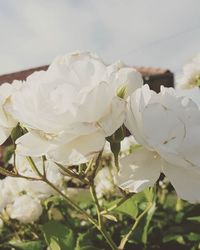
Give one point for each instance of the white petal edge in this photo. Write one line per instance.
(186, 181)
(32, 145)
(115, 118)
(139, 170)
(79, 150)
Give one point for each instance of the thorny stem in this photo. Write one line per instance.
(99, 225)
(93, 221)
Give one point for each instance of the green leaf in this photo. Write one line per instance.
(84, 242)
(129, 207)
(177, 238)
(141, 232)
(110, 217)
(55, 200)
(148, 219)
(27, 245)
(149, 194)
(195, 218)
(193, 237)
(58, 236)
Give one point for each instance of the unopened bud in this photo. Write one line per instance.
(118, 136)
(115, 143)
(121, 91)
(16, 133)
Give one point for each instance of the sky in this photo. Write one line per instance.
(151, 33)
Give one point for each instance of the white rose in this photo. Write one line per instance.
(7, 122)
(71, 108)
(193, 93)
(191, 74)
(10, 188)
(188, 82)
(167, 126)
(25, 208)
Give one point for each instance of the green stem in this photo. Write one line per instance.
(94, 171)
(95, 199)
(101, 226)
(5, 172)
(108, 239)
(93, 221)
(34, 167)
(72, 174)
(14, 163)
(116, 161)
(71, 203)
(138, 219)
(43, 166)
(89, 166)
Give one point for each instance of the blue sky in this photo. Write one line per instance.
(155, 33)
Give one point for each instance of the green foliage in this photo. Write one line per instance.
(58, 236)
(161, 227)
(84, 241)
(195, 218)
(27, 245)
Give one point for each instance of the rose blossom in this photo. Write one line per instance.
(188, 82)
(190, 77)
(12, 189)
(168, 128)
(25, 208)
(7, 122)
(71, 108)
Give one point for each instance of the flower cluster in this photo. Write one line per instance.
(190, 77)
(22, 199)
(63, 117)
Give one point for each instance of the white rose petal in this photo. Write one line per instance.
(185, 181)
(7, 122)
(139, 170)
(25, 209)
